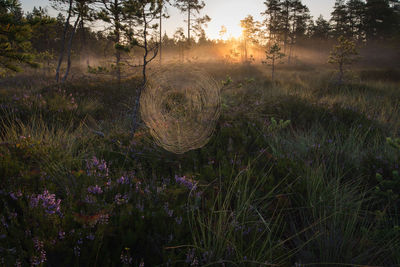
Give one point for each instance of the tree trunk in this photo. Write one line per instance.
(144, 81)
(69, 49)
(60, 59)
(189, 40)
(341, 73)
(117, 40)
(273, 70)
(245, 49)
(161, 34)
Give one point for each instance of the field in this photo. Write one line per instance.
(299, 172)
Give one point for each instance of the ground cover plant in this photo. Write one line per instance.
(290, 176)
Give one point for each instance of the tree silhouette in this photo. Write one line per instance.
(192, 7)
(273, 54)
(343, 54)
(250, 30)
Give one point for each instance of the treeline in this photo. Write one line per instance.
(91, 27)
(371, 20)
(289, 23)
(115, 28)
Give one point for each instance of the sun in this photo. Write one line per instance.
(225, 31)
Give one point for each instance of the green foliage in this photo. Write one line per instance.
(343, 54)
(273, 54)
(228, 81)
(15, 34)
(98, 70)
(275, 126)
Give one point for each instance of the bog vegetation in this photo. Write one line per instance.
(302, 168)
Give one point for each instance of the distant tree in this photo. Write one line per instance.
(44, 30)
(222, 32)
(15, 33)
(250, 29)
(192, 8)
(87, 15)
(300, 15)
(343, 54)
(272, 55)
(179, 39)
(339, 19)
(56, 5)
(356, 17)
(198, 26)
(163, 14)
(284, 22)
(321, 29)
(381, 20)
(272, 20)
(113, 13)
(167, 41)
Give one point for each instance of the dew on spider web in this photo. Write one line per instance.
(180, 106)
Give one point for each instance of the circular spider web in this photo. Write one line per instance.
(180, 106)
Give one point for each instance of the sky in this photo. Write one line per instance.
(226, 13)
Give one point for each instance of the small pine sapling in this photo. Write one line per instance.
(273, 55)
(343, 54)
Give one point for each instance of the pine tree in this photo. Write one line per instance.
(272, 18)
(343, 54)
(113, 12)
(284, 22)
(249, 33)
(179, 39)
(273, 54)
(339, 19)
(299, 17)
(163, 14)
(321, 29)
(44, 30)
(381, 20)
(141, 15)
(15, 33)
(192, 8)
(356, 14)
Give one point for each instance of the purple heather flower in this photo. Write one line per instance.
(169, 212)
(39, 248)
(126, 259)
(90, 199)
(97, 167)
(138, 184)
(95, 190)
(61, 235)
(178, 220)
(186, 182)
(121, 199)
(50, 204)
(123, 180)
(13, 196)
